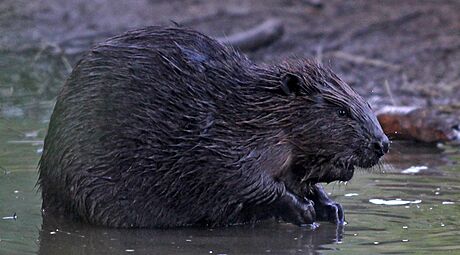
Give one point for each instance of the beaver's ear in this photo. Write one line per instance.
(290, 84)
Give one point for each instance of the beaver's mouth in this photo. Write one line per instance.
(338, 169)
(368, 162)
(344, 171)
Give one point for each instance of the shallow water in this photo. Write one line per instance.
(410, 205)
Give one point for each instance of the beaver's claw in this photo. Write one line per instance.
(330, 211)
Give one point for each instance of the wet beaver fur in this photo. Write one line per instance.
(166, 127)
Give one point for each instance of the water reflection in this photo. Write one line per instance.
(430, 225)
(58, 235)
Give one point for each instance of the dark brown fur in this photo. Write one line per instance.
(164, 127)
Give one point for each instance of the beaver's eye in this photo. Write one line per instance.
(342, 113)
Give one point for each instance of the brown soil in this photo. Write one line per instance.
(393, 52)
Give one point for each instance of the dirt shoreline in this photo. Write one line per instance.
(393, 52)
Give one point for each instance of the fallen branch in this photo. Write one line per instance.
(256, 37)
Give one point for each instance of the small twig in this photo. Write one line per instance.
(390, 94)
(67, 65)
(39, 53)
(59, 51)
(360, 60)
(319, 54)
(13, 217)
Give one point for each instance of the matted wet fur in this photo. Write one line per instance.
(166, 127)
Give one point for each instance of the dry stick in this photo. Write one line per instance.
(390, 94)
(256, 37)
(363, 60)
(67, 64)
(61, 51)
(40, 52)
(319, 54)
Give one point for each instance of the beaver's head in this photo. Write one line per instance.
(333, 129)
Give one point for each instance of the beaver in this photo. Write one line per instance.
(166, 127)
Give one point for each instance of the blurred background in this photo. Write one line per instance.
(394, 53)
(413, 46)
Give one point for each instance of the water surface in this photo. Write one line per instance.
(410, 205)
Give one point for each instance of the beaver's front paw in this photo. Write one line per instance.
(326, 209)
(296, 210)
(330, 211)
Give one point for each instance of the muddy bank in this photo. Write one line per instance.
(393, 52)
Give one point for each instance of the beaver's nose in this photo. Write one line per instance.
(381, 147)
